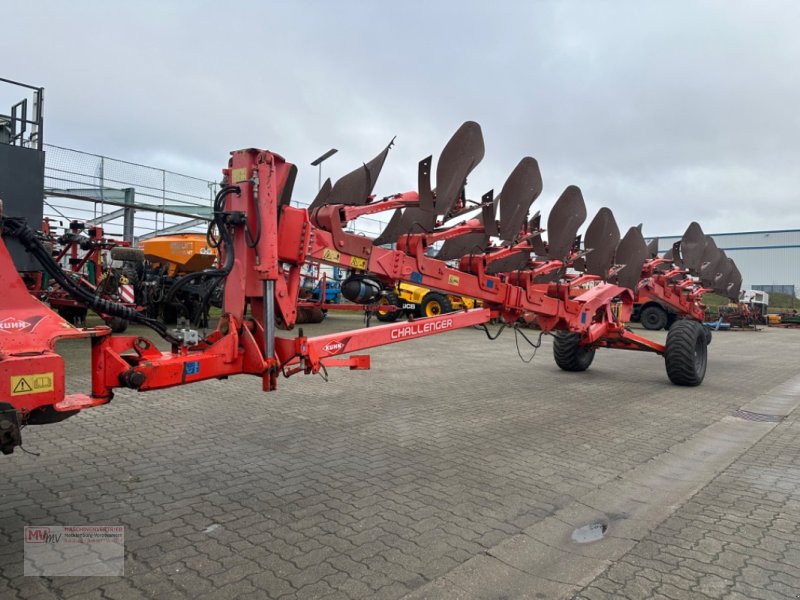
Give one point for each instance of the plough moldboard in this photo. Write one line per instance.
(580, 289)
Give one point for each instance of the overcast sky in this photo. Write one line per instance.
(666, 112)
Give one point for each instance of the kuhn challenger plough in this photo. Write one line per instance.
(488, 250)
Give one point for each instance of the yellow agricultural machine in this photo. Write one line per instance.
(421, 302)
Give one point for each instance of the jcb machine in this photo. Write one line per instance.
(420, 301)
(264, 242)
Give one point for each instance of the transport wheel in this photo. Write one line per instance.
(707, 331)
(123, 254)
(435, 304)
(686, 353)
(388, 299)
(117, 324)
(654, 318)
(568, 352)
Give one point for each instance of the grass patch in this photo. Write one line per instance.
(778, 301)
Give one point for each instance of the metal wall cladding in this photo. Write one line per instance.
(763, 257)
(22, 192)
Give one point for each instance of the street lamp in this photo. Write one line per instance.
(318, 163)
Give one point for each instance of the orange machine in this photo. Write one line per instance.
(181, 253)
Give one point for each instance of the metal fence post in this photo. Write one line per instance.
(102, 186)
(128, 216)
(163, 198)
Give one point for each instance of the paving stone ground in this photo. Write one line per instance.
(739, 538)
(378, 482)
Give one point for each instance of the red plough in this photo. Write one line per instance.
(493, 253)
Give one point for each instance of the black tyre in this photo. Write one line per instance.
(686, 353)
(388, 299)
(569, 354)
(707, 331)
(132, 255)
(435, 304)
(117, 324)
(654, 318)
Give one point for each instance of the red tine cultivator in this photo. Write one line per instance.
(489, 250)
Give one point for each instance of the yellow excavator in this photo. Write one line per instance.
(421, 302)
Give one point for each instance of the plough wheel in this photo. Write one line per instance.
(686, 354)
(388, 299)
(568, 352)
(654, 318)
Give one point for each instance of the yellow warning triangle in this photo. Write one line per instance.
(22, 386)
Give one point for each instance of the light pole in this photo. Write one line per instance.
(318, 163)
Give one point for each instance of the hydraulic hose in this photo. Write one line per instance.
(224, 240)
(17, 228)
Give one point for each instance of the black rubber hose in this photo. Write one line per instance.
(19, 229)
(226, 241)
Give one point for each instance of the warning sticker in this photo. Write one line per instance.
(35, 383)
(358, 263)
(453, 279)
(239, 175)
(330, 254)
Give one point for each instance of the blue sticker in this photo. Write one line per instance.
(583, 317)
(416, 277)
(490, 283)
(191, 368)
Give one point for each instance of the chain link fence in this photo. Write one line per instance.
(92, 188)
(89, 187)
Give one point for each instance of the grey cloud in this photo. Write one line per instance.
(665, 112)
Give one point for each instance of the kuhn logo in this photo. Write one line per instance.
(334, 347)
(14, 324)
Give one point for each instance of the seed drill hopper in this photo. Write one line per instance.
(490, 249)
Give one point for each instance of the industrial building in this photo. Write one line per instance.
(768, 260)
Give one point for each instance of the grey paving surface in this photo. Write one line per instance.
(370, 486)
(738, 538)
